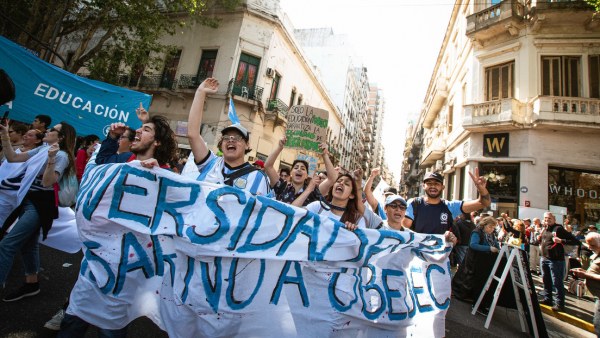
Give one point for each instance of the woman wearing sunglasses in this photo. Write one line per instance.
(38, 208)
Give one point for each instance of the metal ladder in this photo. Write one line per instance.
(511, 253)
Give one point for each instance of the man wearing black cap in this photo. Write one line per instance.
(433, 215)
(231, 169)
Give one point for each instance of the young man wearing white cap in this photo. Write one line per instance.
(231, 169)
(431, 214)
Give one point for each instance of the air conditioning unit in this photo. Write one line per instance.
(439, 165)
(270, 72)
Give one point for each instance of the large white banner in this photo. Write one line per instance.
(204, 260)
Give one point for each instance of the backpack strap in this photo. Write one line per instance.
(229, 178)
(415, 206)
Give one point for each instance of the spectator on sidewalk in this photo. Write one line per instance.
(465, 228)
(534, 246)
(592, 275)
(552, 239)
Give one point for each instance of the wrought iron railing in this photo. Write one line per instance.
(279, 106)
(191, 81)
(244, 90)
(157, 82)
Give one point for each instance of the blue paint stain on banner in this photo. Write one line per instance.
(42, 88)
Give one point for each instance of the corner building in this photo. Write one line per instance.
(515, 92)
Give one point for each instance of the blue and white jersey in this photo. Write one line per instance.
(213, 169)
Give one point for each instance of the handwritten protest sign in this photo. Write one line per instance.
(205, 260)
(306, 127)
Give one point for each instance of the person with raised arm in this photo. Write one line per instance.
(432, 214)
(38, 208)
(288, 192)
(231, 169)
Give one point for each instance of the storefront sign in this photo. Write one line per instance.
(570, 191)
(495, 145)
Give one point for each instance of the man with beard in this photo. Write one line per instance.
(431, 214)
(154, 144)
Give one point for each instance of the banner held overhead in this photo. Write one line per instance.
(42, 88)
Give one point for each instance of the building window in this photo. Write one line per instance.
(170, 70)
(595, 76)
(576, 190)
(207, 65)
(561, 75)
(450, 118)
(275, 87)
(292, 97)
(499, 81)
(246, 72)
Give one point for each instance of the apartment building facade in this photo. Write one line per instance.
(360, 103)
(258, 64)
(515, 92)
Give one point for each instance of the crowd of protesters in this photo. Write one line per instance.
(336, 193)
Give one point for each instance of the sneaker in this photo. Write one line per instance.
(26, 290)
(547, 302)
(557, 308)
(54, 323)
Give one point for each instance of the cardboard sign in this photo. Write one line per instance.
(306, 127)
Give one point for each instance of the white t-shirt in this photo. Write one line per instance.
(369, 220)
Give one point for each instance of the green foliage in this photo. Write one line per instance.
(105, 35)
(595, 3)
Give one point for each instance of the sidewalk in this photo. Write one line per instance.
(579, 311)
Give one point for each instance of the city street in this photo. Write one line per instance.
(26, 318)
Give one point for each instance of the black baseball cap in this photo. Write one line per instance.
(433, 176)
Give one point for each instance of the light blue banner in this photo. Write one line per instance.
(42, 88)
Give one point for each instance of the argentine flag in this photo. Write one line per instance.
(232, 114)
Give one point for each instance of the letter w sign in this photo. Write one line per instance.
(495, 145)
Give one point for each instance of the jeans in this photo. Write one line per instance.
(553, 275)
(74, 327)
(597, 317)
(534, 257)
(24, 236)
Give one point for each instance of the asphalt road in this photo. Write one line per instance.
(26, 318)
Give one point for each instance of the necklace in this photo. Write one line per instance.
(335, 207)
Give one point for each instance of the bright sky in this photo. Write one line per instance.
(398, 41)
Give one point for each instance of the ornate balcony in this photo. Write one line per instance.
(190, 81)
(563, 11)
(507, 16)
(567, 112)
(244, 90)
(435, 147)
(277, 111)
(436, 101)
(487, 116)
